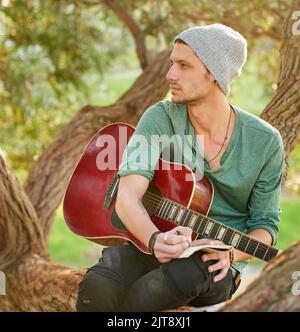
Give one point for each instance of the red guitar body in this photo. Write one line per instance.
(86, 193)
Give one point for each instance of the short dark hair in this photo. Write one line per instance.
(180, 41)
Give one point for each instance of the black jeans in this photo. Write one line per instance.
(125, 279)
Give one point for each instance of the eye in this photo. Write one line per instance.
(182, 65)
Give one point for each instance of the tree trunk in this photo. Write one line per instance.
(38, 284)
(33, 281)
(283, 111)
(20, 230)
(277, 288)
(49, 176)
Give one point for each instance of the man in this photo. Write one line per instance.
(243, 158)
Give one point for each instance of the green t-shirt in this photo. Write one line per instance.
(247, 184)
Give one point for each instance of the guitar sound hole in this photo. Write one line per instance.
(151, 199)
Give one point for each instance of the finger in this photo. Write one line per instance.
(168, 255)
(172, 237)
(185, 231)
(211, 256)
(221, 264)
(163, 259)
(220, 275)
(171, 249)
(200, 242)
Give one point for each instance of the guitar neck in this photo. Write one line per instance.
(210, 228)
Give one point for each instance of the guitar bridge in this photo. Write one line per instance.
(112, 189)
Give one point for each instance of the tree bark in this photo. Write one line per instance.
(38, 284)
(33, 281)
(235, 19)
(49, 176)
(274, 289)
(283, 111)
(137, 34)
(20, 231)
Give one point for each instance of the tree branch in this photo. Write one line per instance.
(272, 291)
(236, 23)
(137, 34)
(38, 284)
(49, 176)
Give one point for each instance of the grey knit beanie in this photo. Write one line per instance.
(221, 49)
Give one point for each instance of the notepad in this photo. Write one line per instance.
(204, 247)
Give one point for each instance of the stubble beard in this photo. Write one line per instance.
(188, 100)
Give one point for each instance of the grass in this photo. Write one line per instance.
(112, 87)
(71, 250)
(289, 227)
(248, 92)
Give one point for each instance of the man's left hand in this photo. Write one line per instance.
(222, 257)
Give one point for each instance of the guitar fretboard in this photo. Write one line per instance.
(210, 228)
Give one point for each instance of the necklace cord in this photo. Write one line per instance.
(225, 138)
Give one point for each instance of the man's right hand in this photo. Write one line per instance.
(169, 245)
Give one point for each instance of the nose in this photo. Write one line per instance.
(171, 74)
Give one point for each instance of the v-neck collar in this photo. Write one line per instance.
(230, 146)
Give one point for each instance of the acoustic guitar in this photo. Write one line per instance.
(170, 200)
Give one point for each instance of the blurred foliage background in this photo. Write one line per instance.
(57, 56)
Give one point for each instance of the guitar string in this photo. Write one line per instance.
(154, 205)
(259, 250)
(261, 247)
(156, 199)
